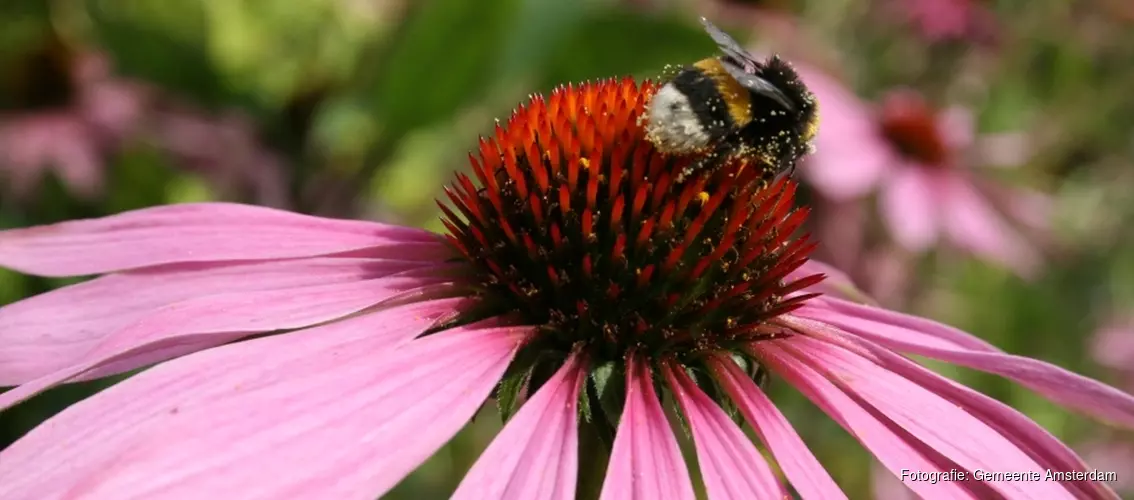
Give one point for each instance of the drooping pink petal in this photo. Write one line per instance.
(1029, 436)
(892, 449)
(730, 463)
(974, 225)
(329, 414)
(897, 324)
(536, 455)
(850, 155)
(1069, 389)
(194, 232)
(804, 472)
(816, 267)
(53, 330)
(836, 282)
(645, 463)
(938, 423)
(227, 316)
(907, 205)
(1025, 433)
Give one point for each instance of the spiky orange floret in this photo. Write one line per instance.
(576, 221)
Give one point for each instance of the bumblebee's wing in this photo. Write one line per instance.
(758, 85)
(729, 46)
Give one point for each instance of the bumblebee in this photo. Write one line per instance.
(734, 105)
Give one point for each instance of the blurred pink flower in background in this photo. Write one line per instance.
(943, 20)
(916, 159)
(91, 113)
(224, 149)
(71, 138)
(1113, 347)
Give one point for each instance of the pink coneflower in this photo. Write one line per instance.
(69, 133)
(914, 156)
(579, 285)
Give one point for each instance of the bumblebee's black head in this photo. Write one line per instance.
(784, 132)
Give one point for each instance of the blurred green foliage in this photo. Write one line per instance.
(374, 103)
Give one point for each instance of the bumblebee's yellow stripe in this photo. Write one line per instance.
(735, 95)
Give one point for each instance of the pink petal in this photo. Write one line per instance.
(536, 455)
(730, 463)
(1022, 431)
(896, 323)
(1064, 387)
(891, 448)
(850, 156)
(226, 316)
(837, 283)
(196, 232)
(975, 225)
(51, 331)
(908, 207)
(938, 423)
(645, 463)
(336, 414)
(804, 472)
(1034, 440)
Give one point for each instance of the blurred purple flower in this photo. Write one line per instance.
(914, 156)
(71, 138)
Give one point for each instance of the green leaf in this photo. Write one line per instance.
(542, 26)
(510, 392)
(139, 178)
(614, 43)
(585, 404)
(162, 42)
(609, 379)
(441, 58)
